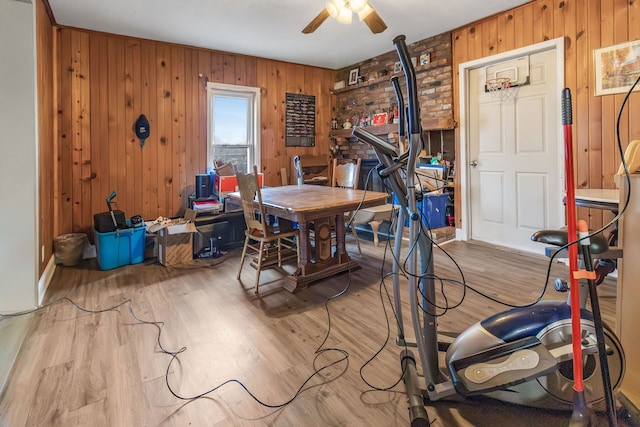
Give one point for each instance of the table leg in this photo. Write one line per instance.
(341, 247)
(326, 264)
(304, 248)
(323, 239)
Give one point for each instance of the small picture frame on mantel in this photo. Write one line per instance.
(353, 76)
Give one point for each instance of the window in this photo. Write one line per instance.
(233, 126)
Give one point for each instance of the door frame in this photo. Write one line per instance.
(464, 233)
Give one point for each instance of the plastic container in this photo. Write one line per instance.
(68, 248)
(121, 247)
(432, 210)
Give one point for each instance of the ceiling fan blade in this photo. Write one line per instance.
(375, 23)
(316, 22)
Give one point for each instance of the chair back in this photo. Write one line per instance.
(249, 192)
(345, 175)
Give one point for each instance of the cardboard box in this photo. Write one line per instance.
(175, 239)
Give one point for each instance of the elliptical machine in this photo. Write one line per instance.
(523, 355)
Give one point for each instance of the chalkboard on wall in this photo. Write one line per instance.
(301, 120)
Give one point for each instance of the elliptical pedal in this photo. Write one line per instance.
(510, 363)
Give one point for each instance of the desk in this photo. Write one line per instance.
(605, 199)
(321, 206)
(226, 228)
(598, 198)
(628, 291)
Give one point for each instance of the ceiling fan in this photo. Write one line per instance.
(342, 11)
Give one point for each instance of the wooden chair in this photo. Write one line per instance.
(265, 245)
(345, 175)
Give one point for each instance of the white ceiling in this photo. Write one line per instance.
(272, 28)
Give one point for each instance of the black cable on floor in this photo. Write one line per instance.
(174, 354)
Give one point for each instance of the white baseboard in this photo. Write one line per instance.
(13, 331)
(45, 279)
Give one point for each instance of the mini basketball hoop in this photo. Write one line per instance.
(500, 88)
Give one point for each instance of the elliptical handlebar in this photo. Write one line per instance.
(413, 124)
(413, 113)
(381, 146)
(401, 113)
(388, 153)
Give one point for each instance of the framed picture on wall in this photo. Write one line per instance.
(353, 76)
(616, 67)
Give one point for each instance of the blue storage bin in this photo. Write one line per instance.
(121, 247)
(432, 210)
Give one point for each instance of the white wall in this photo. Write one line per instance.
(18, 158)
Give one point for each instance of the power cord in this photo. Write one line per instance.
(174, 354)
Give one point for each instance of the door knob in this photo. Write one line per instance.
(474, 163)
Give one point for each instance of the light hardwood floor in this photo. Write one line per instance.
(106, 369)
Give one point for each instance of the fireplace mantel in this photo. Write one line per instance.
(427, 125)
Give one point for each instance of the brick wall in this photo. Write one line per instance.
(374, 93)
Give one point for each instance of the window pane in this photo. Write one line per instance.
(236, 155)
(232, 124)
(230, 120)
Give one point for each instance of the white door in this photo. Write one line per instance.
(514, 150)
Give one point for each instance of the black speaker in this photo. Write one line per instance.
(202, 185)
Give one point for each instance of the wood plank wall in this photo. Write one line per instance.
(585, 25)
(107, 81)
(46, 139)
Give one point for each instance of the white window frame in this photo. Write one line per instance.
(253, 127)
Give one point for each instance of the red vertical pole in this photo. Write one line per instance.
(567, 122)
(580, 411)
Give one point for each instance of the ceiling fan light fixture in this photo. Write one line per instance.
(343, 10)
(366, 11)
(345, 16)
(332, 9)
(339, 4)
(358, 5)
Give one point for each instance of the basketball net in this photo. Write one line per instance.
(500, 88)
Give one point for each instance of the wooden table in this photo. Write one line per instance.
(322, 206)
